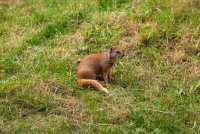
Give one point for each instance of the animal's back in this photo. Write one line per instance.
(90, 66)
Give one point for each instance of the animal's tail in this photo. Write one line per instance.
(93, 83)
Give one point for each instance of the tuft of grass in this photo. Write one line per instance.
(68, 22)
(111, 4)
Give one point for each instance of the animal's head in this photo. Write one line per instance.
(116, 53)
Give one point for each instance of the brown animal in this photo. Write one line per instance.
(96, 67)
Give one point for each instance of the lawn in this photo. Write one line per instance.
(155, 87)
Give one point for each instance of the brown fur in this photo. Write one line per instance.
(97, 66)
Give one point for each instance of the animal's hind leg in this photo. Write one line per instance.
(109, 76)
(105, 77)
(102, 83)
(88, 75)
(99, 77)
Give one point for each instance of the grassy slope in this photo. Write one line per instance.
(156, 86)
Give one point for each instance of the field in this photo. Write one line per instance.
(155, 87)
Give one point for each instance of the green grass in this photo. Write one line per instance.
(155, 87)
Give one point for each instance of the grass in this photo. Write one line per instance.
(155, 88)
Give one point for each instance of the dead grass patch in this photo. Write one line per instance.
(118, 19)
(195, 70)
(10, 2)
(175, 57)
(131, 28)
(152, 94)
(49, 86)
(116, 111)
(178, 5)
(61, 52)
(148, 80)
(64, 103)
(75, 38)
(119, 116)
(114, 18)
(75, 111)
(189, 42)
(125, 43)
(14, 39)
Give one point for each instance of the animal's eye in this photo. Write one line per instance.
(118, 52)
